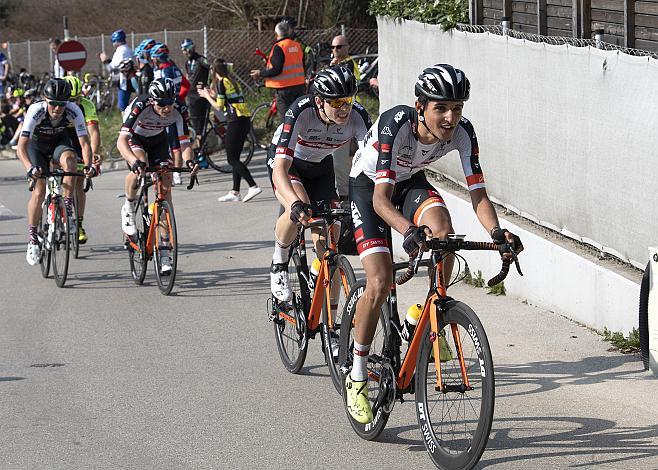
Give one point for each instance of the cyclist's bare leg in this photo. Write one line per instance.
(130, 184)
(439, 221)
(178, 158)
(379, 273)
(34, 205)
(285, 230)
(69, 162)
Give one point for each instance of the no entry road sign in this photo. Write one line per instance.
(71, 55)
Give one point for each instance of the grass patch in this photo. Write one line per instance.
(477, 281)
(498, 289)
(626, 345)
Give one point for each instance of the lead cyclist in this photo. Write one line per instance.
(388, 171)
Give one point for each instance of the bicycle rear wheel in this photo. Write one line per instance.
(74, 221)
(381, 380)
(342, 273)
(290, 326)
(61, 246)
(264, 125)
(455, 422)
(139, 259)
(44, 244)
(166, 239)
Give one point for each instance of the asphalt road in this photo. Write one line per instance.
(107, 374)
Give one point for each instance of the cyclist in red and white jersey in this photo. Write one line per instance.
(301, 165)
(388, 172)
(143, 141)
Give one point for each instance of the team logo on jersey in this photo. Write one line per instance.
(303, 102)
(424, 152)
(383, 162)
(398, 116)
(417, 200)
(386, 131)
(289, 113)
(356, 215)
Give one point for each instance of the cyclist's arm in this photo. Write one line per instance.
(21, 151)
(466, 141)
(94, 137)
(33, 116)
(127, 129)
(281, 182)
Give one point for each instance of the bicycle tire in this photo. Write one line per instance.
(245, 156)
(644, 318)
(376, 388)
(139, 260)
(42, 230)
(113, 154)
(213, 149)
(166, 281)
(61, 246)
(263, 125)
(75, 218)
(331, 327)
(292, 336)
(459, 443)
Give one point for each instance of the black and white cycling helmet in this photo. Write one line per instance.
(126, 65)
(334, 82)
(57, 89)
(443, 82)
(162, 89)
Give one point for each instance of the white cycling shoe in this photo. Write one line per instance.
(165, 262)
(279, 282)
(33, 254)
(128, 221)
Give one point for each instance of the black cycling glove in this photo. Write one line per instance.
(298, 208)
(33, 171)
(137, 165)
(191, 163)
(498, 236)
(414, 239)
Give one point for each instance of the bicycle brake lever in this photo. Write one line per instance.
(419, 258)
(516, 261)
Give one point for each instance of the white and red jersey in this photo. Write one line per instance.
(305, 136)
(140, 118)
(392, 153)
(39, 125)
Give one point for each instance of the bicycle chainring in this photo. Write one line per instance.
(387, 387)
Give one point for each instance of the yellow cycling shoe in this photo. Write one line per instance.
(357, 400)
(82, 235)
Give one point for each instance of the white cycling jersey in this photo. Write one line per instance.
(392, 153)
(140, 118)
(305, 136)
(39, 125)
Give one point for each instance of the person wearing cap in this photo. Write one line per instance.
(284, 70)
(197, 71)
(121, 52)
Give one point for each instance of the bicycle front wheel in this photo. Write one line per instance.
(290, 327)
(165, 255)
(343, 275)
(44, 243)
(455, 421)
(213, 149)
(139, 258)
(61, 245)
(381, 380)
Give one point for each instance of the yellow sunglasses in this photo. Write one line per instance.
(339, 102)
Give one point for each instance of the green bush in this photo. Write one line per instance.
(447, 13)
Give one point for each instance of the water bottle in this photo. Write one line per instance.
(410, 322)
(315, 270)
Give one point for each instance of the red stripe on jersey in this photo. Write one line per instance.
(318, 145)
(474, 179)
(358, 235)
(385, 174)
(386, 148)
(285, 150)
(371, 243)
(287, 127)
(376, 145)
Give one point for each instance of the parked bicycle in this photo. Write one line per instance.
(100, 91)
(212, 145)
(56, 229)
(317, 298)
(448, 363)
(156, 230)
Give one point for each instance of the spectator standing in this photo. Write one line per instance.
(121, 52)
(4, 72)
(197, 71)
(284, 70)
(58, 71)
(340, 52)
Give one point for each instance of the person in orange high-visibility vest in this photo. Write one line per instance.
(284, 71)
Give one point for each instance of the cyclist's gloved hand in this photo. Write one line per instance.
(34, 172)
(137, 167)
(299, 212)
(193, 165)
(504, 238)
(91, 171)
(414, 239)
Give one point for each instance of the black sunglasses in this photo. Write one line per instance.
(339, 46)
(164, 102)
